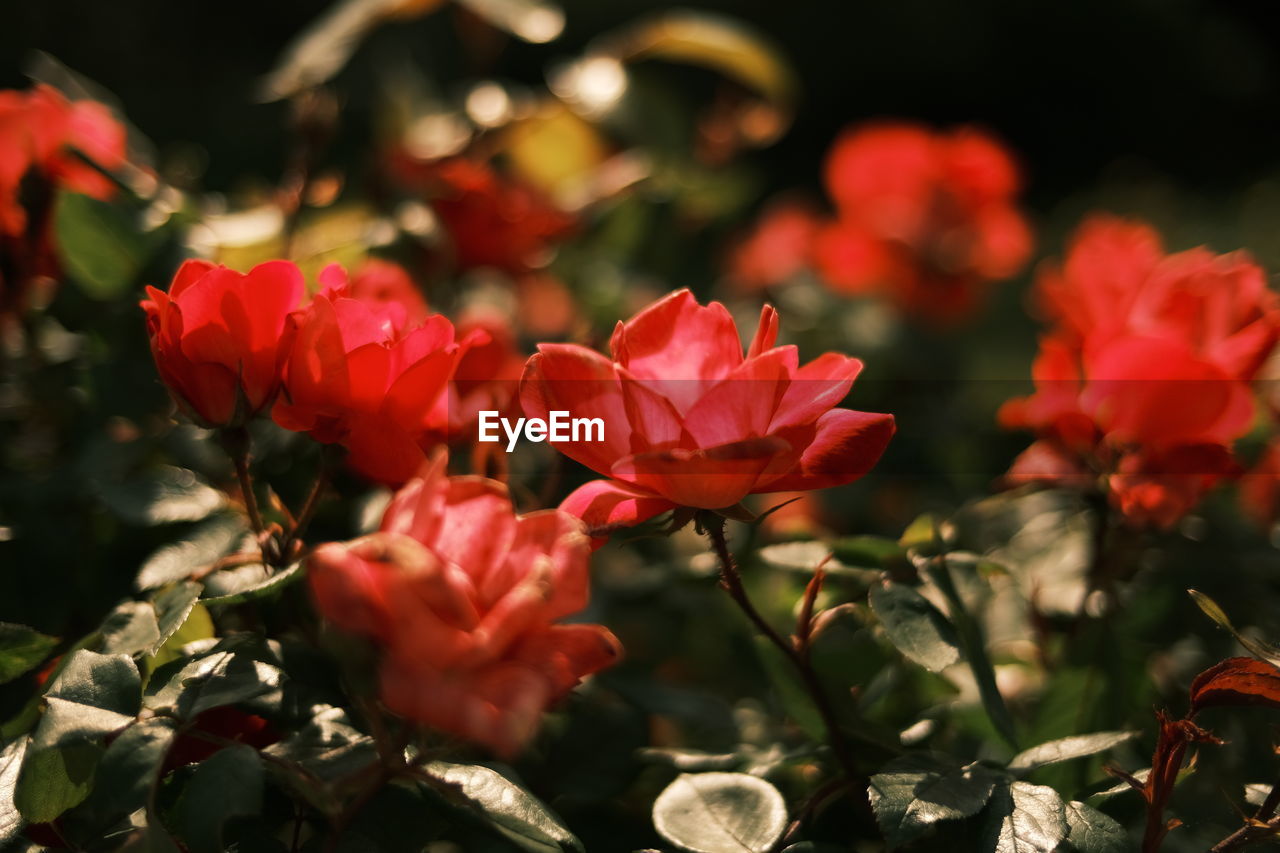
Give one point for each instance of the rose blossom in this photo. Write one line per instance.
(366, 374)
(461, 597)
(690, 421)
(219, 336)
(927, 218)
(1144, 382)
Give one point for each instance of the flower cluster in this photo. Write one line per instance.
(1143, 382)
(458, 593)
(362, 364)
(462, 597)
(923, 218)
(689, 421)
(926, 218)
(45, 143)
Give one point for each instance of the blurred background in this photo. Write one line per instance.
(1164, 109)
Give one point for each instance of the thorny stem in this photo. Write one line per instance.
(308, 507)
(731, 580)
(1263, 825)
(236, 442)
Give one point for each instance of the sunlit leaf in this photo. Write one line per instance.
(1023, 818)
(506, 807)
(10, 763)
(246, 583)
(1091, 831)
(914, 792)
(212, 539)
(93, 696)
(1067, 748)
(720, 813)
(162, 496)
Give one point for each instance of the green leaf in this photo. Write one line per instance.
(503, 805)
(164, 495)
(228, 785)
(130, 628)
(1023, 818)
(92, 696)
(237, 669)
(198, 626)
(212, 540)
(246, 583)
(130, 766)
(173, 608)
(328, 747)
(915, 626)
(1065, 749)
(10, 763)
(1091, 831)
(106, 682)
(914, 792)
(872, 552)
(921, 536)
(21, 650)
(54, 780)
(99, 244)
(720, 813)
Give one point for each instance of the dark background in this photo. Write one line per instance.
(1186, 87)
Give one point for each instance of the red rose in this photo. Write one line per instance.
(461, 596)
(1145, 380)
(689, 421)
(361, 373)
(928, 218)
(40, 131)
(219, 336)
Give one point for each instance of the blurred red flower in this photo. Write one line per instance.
(491, 220)
(777, 247)
(366, 373)
(219, 337)
(1145, 379)
(488, 374)
(927, 218)
(40, 131)
(688, 421)
(461, 596)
